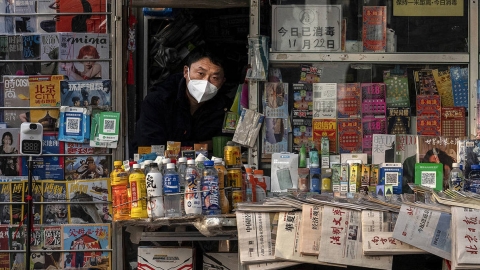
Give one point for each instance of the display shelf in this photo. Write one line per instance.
(186, 3)
(208, 226)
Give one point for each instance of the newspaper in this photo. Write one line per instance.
(248, 128)
(271, 265)
(288, 235)
(377, 235)
(341, 240)
(310, 229)
(425, 229)
(256, 236)
(465, 234)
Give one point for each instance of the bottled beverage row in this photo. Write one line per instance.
(187, 187)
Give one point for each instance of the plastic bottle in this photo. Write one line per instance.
(456, 180)
(165, 161)
(313, 154)
(248, 185)
(119, 182)
(171, 185)
(138, 193)
(181, 168)
(147, 166)
(154, 183)
(210, 195)
(199, 163)
(302, 157)
(222, 179)
(260, 186)
(474, 179)
(193, 200)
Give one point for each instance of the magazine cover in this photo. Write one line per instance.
(374, 31)
(5, 197)
(27, 23)
(37, 259)
(87, 167)
(49, 46)
(16, 237)
(48, 167)
(275, 131)
(310, 74)
(10, 144)
(424, 82)
(275, 101)
(37, 194)
(86, 47)
(46, 23)
(325, 100)
(302, 100)
(53, 241)
(383, 148)
(84, 93)
(83, 22)
(89, 191)
(87, 237)
(349, 135)
(4, 245)
(15, 52)
(45, 92)
(6, 23)
(453, 122)
(31, 51)
(54, 214)
(472, 155)
(16, 94)
(348, 98)
(16, 195)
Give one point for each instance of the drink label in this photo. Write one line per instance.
(171, 183)
(192, 200)
(210, 197)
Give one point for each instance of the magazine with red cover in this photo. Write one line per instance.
(327, 128)
(453, 121)
(348, 100)
(84, 22)
(349, 135)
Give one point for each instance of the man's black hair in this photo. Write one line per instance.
(75, 99)
(205, 52)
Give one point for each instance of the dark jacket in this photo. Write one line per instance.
(165, 116)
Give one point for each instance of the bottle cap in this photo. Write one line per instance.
(248, 170)
(475, 167)
(218, 160)
(182, 159)
(208, 163)
(170, 165)
(117, 163)
(136, 166)
(455, 165)
(148, 161)
(166, 160)
(191, 162)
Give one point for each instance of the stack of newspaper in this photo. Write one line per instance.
(465, 234)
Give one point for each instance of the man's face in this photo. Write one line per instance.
(204, 69)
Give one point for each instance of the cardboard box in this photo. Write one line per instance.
(220, 261)
(166, 258)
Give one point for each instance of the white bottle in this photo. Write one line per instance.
(181, 168)
(210, 194)
(171, 185)
(456, 180)
(154, 183)
(146, 167)
(193, 199)
(165, 161)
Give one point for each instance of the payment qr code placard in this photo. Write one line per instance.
(109, 125)
(391, 178)
(428, 179)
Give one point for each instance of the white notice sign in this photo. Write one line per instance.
(314, 28)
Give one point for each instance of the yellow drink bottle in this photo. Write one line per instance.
(138, 192)
(119, 182)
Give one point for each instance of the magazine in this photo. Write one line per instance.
(55, 214)
(84, 93)
(89, 191)
(87, 167)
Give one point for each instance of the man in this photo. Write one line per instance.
(187, 108)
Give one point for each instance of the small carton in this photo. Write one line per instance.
(174, 258)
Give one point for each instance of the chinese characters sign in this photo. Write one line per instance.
(428, 8)
(314, 28)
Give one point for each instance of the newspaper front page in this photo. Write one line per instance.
(377, 235)
(425, 229)
(310, 229)
(465, 236)
(341, 240)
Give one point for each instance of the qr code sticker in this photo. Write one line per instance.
(429, 179)
(391, 178)
(109, 125)
(73, 125)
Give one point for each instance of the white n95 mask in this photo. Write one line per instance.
(201, 90)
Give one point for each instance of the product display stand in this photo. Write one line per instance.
(29, 218)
